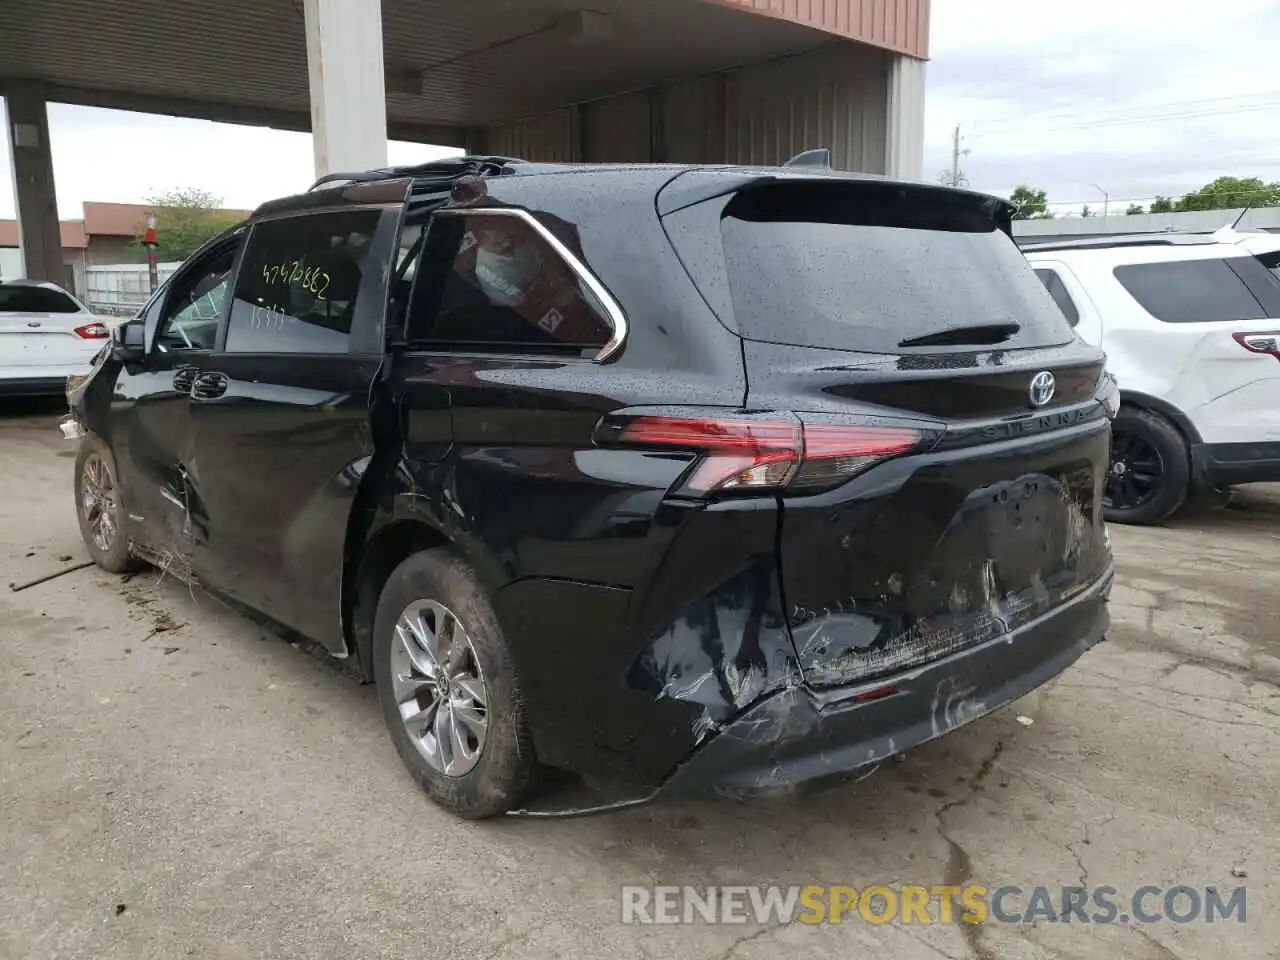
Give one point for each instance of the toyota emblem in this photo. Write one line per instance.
(1042, 386)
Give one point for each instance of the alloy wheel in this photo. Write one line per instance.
(98, 502)
(1135, 472)
(439, 687)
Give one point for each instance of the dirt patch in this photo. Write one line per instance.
(144, 605)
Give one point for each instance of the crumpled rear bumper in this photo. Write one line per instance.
(801, 736)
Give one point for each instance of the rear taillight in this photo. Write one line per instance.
(1260, 342)
(746, 454)
(93, 331)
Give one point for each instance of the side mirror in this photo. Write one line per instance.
(130, 345)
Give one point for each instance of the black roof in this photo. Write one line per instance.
(440, 175)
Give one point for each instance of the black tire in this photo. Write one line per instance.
(1149, 473)
(112, 555)
(501, 776)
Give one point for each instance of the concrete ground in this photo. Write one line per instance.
(175, 783)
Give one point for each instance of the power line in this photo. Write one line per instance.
(1242, 199)
(1129, 121)
(1109, 113)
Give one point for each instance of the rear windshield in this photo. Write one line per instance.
(865, 267)
(21, 298)
(1202, 291)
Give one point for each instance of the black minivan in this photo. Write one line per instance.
(692, 480)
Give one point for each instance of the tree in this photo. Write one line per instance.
(185, 219)
(1087, 211)
(1162, 205)
(1134, 210)
(1228, 192)
(1029, 203)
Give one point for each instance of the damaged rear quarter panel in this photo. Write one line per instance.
(716, 634)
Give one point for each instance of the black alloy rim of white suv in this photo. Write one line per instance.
(1135, 473)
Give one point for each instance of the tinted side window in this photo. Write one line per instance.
(1058, 290)
(193, 306)
(299, 281)
(1190, 291)
(497, 284)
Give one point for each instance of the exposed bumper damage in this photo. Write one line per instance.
(1008, 553)
(801, 735)
(724, 652)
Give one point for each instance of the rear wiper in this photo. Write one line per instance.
(978, 334)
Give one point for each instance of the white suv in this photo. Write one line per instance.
(1191, 327)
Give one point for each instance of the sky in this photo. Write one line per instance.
(1133, 98)
(1136, 98)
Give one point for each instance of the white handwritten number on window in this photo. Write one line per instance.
(298, 274)
(268, 317)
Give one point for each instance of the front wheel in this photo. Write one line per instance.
(99, 508)
(448, 687)
(1150, 470)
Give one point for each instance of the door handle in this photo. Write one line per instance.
(209, 386)
(183, 378)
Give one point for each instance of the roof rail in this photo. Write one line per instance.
(447, 168)
(1125, 240)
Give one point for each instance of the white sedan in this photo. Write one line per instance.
(46, 336)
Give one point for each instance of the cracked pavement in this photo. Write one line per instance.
(175, 783)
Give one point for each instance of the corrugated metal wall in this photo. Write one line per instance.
(619, 128)
(898, 25)
(552, 138)
(836, 96)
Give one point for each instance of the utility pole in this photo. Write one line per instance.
(956, 177)
(1106, 199)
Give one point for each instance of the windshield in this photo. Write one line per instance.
(866, 267)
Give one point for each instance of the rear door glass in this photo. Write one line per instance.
(865, 266)
(1193, 291)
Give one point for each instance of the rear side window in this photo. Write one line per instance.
(1192, 291)
(500, 285)
(21, 298)
(299, 281)
(1058, 290)
(864, 267)
(1272, 262)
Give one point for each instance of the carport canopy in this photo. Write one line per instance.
(462, 74)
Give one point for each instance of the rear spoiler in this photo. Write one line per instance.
(706, 183)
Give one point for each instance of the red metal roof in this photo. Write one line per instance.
(899, 25)
(100, 220)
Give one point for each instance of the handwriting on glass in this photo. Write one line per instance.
(297, 273)
(268, 316)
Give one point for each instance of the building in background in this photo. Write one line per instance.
(103, 236)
